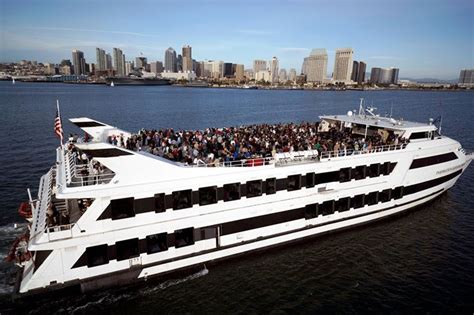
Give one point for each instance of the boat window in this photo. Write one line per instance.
(294, 182)
(327, 207)
(419, 135)
(342, 204)
(281, 184)
(184, 237)
(392, 166)
(359, 172)
(398, 192)
(122, 208)
(384, 196)
(97, 255)
(311, 211)
(328, 177)
(182, 199)
(431, 160)
(254, 188)
(345, 175)
(205, 233)
(127, 249)
(160, 203)
(232, 192)
(371, 198)
(310, 180)
(373, 170)
(156, 243)
(357, 201)
(207, 195)
(386, 168)
(270, 186)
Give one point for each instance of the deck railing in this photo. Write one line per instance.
(307, 156)
(75, 172)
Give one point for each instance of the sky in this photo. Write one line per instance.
(424, 38)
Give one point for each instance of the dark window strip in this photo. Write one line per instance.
(148, 204)
(408, 190)
(82, 124)
(432, 160)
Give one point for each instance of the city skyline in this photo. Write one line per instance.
(432, 39)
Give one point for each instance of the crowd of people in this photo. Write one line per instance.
(216, 145)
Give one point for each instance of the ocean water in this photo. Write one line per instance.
(420, 261)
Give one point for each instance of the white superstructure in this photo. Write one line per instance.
(138, 215)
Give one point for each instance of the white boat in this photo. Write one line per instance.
(112, 84)
(142, 216)
(13, 80)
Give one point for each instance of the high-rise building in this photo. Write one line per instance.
(170, 60)
(101, 63)
(292, 75)
(263, 75)
(239, 72)
(315, 66)
(49, 69)
(361, 72)
(355, 71)
(141, 63)
(282, 76)
(384, 75)
(108, 62)
(227, 70)
(119, 62)
(187, 58)
(128, 67)
(274, 66)
(156, 67)
(466, 77)
(78, 62)
(343, 65)
(259, 65)
(179, 63)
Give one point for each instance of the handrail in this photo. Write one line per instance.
(299, 156)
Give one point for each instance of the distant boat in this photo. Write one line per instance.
(117, 81)
(13, 80)
(112, 84)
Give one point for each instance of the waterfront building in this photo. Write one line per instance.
(227, 70)
(292, 75)
(384, 75)
(466, 77)
(119, 62)
(156, 67)
(170, 60)
(187, 58)
(282, 76)
(259, 65)
(79, 62)
(315, 66)
(65, 70)
(217, 69)
(248, 73)
(129, 66)
(108, 62)
(141, 62)
(179, 63)
(361, 72)
(274, 66)
(49, 69)
(239, 72)
(101, 62)
(66, 62)
(264, 75)
(343, 65)
(180, 75)
(355, 69)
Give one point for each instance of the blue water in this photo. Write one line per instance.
(422, 261)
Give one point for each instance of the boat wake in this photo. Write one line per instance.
(170, 283)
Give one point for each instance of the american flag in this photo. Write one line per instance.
(58, 127)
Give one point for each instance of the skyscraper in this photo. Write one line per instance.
(239, 72)
(259, 65)
(119, 62)
(315, 66)
(79, 62)
(141, 62)
(466, 77)
(384, 75)
(282, 76)
(179, 63)
(156, 67)
(343, 65)
(361, 72)
(170, 60)
(355, 71)
(108, 62)
(187, 58)
(100, 64)
(274, 66)
(227, 70)
(292, 75)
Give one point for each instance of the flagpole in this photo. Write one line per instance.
(59, 115)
